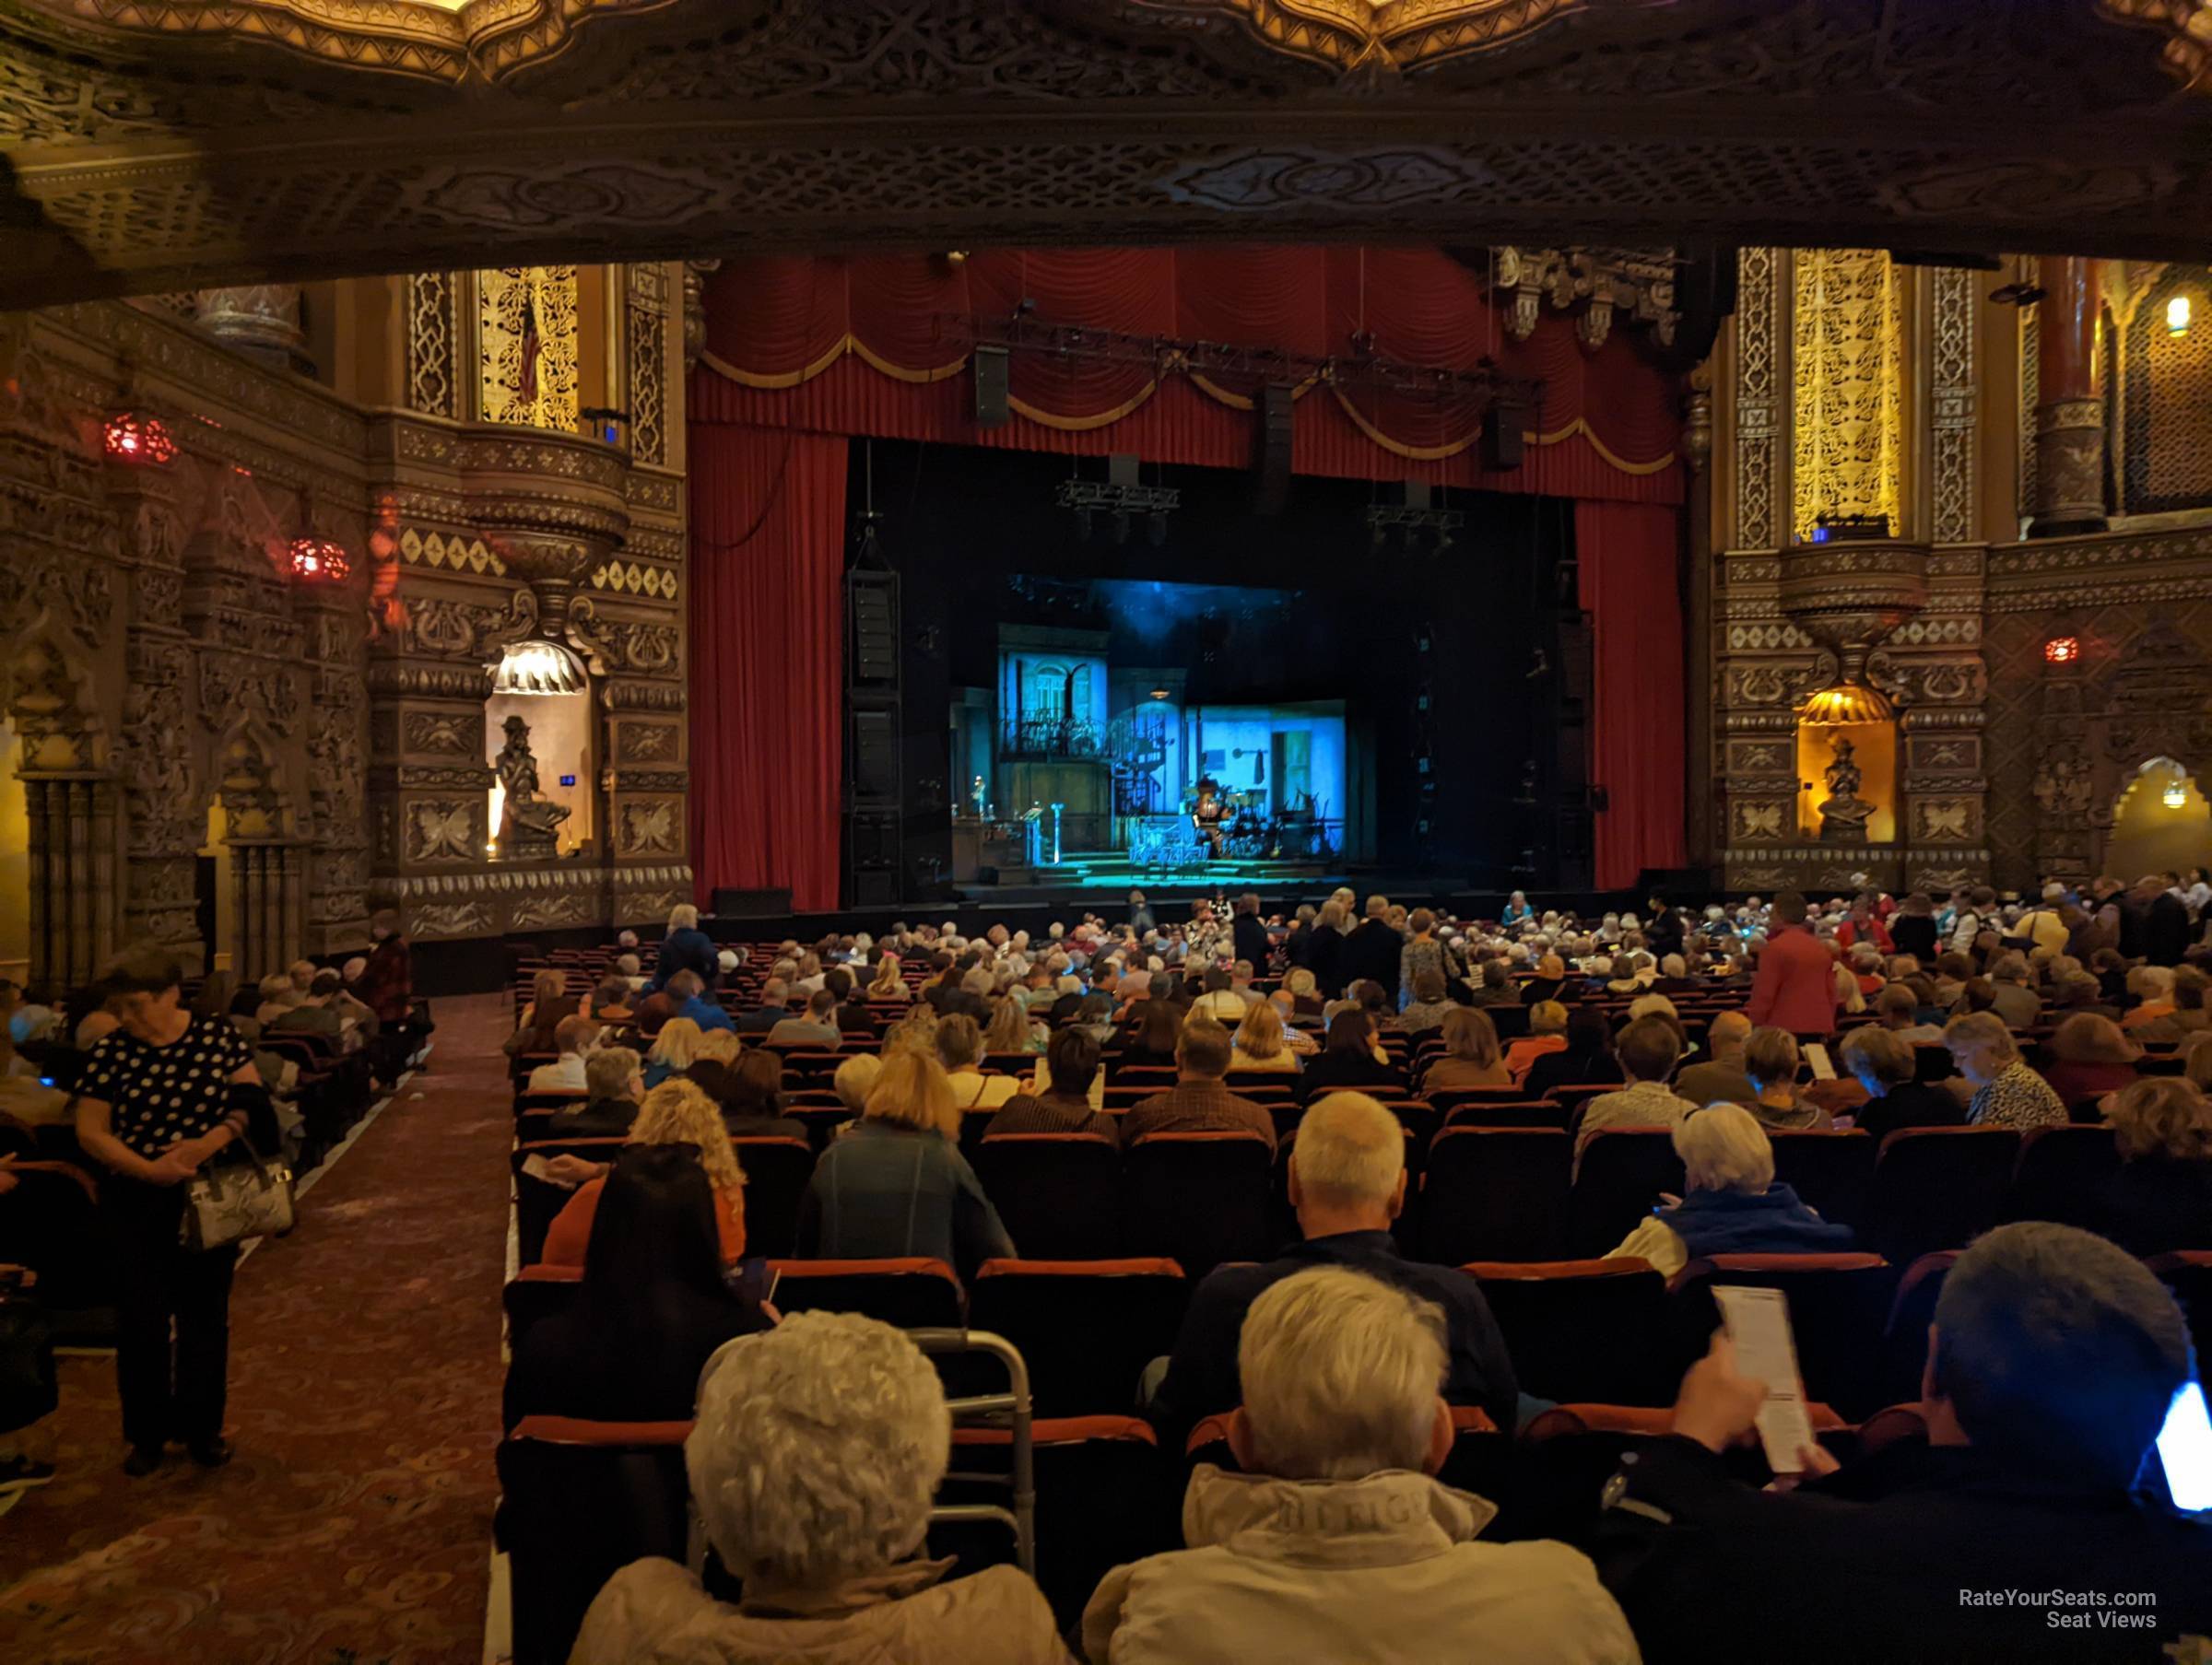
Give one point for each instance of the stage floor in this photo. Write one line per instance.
(1113, 873)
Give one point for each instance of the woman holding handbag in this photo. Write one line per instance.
(155, 1103)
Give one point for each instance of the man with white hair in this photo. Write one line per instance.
(816, 1451)
(686, 948)
(1721, 1077)
(1336, 1543)
(1348, 1183)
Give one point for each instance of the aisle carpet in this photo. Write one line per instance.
(352, 1526)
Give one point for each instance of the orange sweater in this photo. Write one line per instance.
(570, 1232)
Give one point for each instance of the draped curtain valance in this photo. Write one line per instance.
(879, 346)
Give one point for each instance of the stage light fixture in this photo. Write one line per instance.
(1159, 526)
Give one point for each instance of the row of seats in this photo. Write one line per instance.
(1481, 1194)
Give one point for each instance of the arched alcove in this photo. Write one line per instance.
(2161, 822)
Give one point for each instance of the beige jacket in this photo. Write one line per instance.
(1379, 1570)
(654, 1613)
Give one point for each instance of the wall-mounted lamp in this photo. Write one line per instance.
(2177, 315)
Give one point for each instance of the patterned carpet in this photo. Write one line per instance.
(353, 1527)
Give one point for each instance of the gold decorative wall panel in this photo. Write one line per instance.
(2178, 465)
(1847, 439)
(645, 311)
(1758, 403)
(526, 345)
(434, 343)
(1951, 410)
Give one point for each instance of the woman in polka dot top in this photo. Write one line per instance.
(154, 1106)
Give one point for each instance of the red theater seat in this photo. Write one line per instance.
(909, 1292)
(1937, 1188)
(1086, 1328)
(1583, 1330)
(1058, 1194)
(1196, 1198)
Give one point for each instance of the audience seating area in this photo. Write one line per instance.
(1112, 1242)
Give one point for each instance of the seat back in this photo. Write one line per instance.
(1622, 1172)
(1937, 1188)
(580, 1501)
(1196, 1198)
(1058, 1194)
(1829, 1172)
(1106, 1495)
(777, 1168)
(1583, 1330)
(1905, 1333)
(1494, 1194)
(1087, 1328)
(2188, 1273)
(1838, 1304)
(537, 1293)
(909, 1291)
(2058, 1174)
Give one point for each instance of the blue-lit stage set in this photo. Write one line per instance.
(1088, 762)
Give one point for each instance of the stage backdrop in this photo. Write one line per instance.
(808, 349)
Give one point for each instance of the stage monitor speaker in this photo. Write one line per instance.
(992, 409)
(752, 904)
(1271, 447)
(1502, 429)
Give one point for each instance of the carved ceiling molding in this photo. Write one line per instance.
(314, 138)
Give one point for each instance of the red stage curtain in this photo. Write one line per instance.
(1628, 556)
(876, 345)
(766, 612)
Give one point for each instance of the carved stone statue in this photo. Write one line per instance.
(1844, 816)
(527, 821)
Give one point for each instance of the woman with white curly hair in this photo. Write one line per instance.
(816, 1450)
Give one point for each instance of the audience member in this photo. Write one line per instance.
(1731, 1204)
(652, 1308)
(1794, 988)
(685, 948)
(1198, 1102)
(1262, 1046)
(1372, 951)
(386, 985)
(1427, 1008)
(1299, 996)
(1647, 1051)
(692, 1002)
(674, 1050)
(1587, 1056)
(855, 1079)
(1471, 1057)
(1720, 1077)
(675, 1113)
(817, 1028)
(2054, 1359)
(615, 1087)
(1772, 1060)
(2090, 1056)
(752, 1098)
(1347, 1184)
(1881, 1062)
(1011, 1030)
(961, 1050)
(1897, 1009)
(2006, 1092)
(573, 1038)
(817, 1453)
(2012, 997)
(1060, 1099)
(2161, 1197)
(896, 1184)
(1544, 987)
(1546, 1034)
(1334, 1542)
(1349, 1058)
(2187, 1016)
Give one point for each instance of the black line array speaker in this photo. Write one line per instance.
(874, 633)
(1277, 418)
(874, 754)
(991, 381)
(1502, 429)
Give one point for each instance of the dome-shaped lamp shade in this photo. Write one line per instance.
(319, 560)
(133, 436)
(1847, 702)
(538, 667)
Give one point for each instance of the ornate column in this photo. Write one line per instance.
(1698, 755)
(2069, 417)
(164, 801)
(259, 320)
(336, 881)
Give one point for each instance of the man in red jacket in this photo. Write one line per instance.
(1795, 987)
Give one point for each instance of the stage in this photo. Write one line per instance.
(1111, 873)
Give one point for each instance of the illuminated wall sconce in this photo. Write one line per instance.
(135, 438)
(2177, 315)
(319, 560)
(2061, 650)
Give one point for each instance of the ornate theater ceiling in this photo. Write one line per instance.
(151, 145)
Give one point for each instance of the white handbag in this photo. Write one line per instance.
(239, 1199)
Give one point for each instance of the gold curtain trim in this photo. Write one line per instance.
(1079, 425)
(1045, 418)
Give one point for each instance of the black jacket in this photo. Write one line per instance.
(1662, 933)
(686, 950)
(1202, 1372)
(1915, 1104)
(1250, 934)
(1870, 1564)
(1915, 934)
(1372, 952)
(2166, 930)
(1324, 958)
